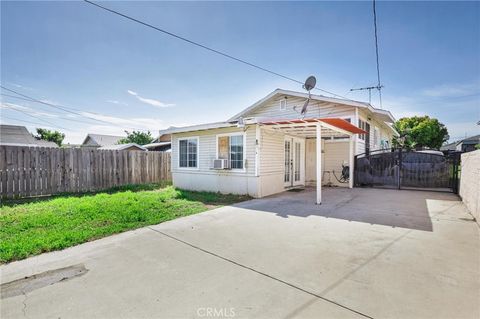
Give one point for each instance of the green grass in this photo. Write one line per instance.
(32, 228)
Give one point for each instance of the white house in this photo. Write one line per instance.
(270, 146)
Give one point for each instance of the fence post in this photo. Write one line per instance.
(399, 168)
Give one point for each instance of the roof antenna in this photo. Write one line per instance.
(310, 83)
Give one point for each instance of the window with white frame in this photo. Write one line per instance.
(283, 104)
(188, 152)
(231, 147)
(362, 125)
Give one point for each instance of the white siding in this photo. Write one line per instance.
(334, 153)
(271, 109)
(271, 167)
(207, 179)
(207, 149)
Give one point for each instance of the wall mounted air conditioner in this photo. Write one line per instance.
(221, 164)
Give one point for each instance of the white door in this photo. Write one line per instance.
(294, 162)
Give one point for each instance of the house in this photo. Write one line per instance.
(466, 145)
(15, 135)
(124, 147)
(161, 143)
(99, 140)
(270, 147)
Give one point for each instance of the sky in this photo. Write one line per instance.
(115, 75)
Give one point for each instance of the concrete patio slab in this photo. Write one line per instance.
(363, 253)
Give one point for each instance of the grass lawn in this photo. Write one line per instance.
(32, 228)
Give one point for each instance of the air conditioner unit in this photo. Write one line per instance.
(221, 164)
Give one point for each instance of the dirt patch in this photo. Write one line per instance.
(37, 281)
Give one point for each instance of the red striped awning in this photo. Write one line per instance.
(333, 122)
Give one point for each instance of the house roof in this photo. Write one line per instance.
(120, 147)
(103, 140)
(308, 127)
(470, 140)
(383, 115)
(15, 135)
(152, 145)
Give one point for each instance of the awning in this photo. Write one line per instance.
(307, 127)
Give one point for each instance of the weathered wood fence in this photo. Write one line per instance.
(39, 171)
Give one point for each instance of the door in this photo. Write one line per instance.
(294, 162)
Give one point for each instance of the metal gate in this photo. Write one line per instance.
(401, 169)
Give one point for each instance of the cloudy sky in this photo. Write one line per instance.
(108, 74)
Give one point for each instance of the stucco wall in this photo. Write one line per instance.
(470, 182)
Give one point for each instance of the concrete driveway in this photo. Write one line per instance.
(363, 253)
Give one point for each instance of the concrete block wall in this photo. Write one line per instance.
(470, 182)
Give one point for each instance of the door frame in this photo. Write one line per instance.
(297, 161)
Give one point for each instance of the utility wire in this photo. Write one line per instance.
(36, 117)
(379, 85)
(64, 108)
(25, 121)
(209, 48)
(63, 118)
(53, 105)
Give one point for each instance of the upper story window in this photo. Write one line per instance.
(188, 152)
(362, 125)
(231, 147)
(283, 104)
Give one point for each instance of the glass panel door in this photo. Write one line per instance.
(288, 163)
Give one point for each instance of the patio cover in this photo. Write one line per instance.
(318, 127)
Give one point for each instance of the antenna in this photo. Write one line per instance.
(310, 83)
(369, 88)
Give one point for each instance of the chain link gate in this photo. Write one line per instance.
(402, 169)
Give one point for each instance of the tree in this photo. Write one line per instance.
(138, 137)
(48, 135)
(420, 131)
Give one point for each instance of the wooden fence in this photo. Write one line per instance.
(39, 171)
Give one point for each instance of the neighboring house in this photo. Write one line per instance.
(466, 145)
(268, 148)
(161, 143)
(99, 140)
(124, 147)
(15, 135)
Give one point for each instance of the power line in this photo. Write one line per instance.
(209, 48)
(35, 117)
(65, 109)
(31, 99)
(63, 118)
(379, 85)
(25, 121)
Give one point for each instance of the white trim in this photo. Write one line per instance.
(198, 153)
(257, 149)
(244, 135)
(314, 97)
(319, 162)
(199, 127)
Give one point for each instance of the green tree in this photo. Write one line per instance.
(138, 137)
(48, 135)
(420, 131)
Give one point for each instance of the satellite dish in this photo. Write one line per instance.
(310, 83)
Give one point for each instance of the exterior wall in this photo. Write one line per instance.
(204, 177)
(385, 133)
(470, 182)
(271, 168)
(334, 153)
(271, 109)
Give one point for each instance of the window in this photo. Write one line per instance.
(283, 104)
(231, 147)
(188, 152)
(362, 125)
